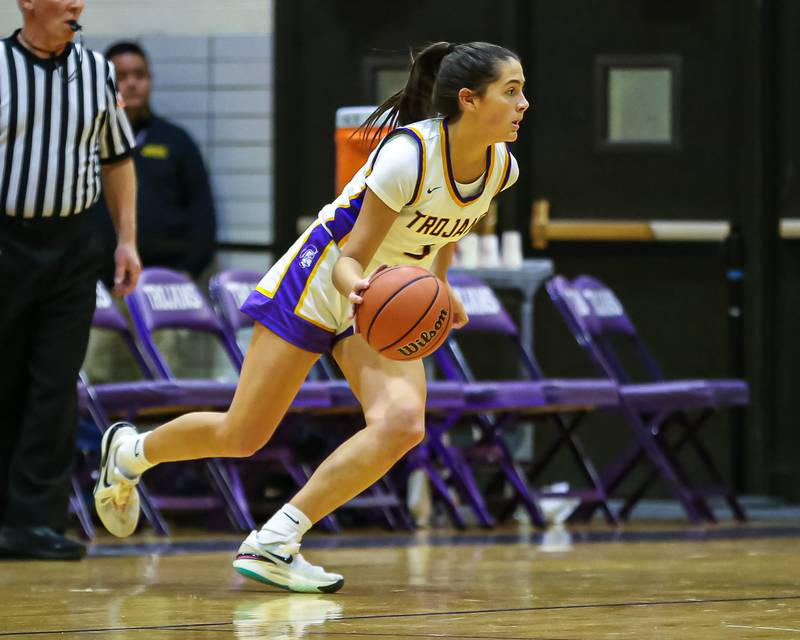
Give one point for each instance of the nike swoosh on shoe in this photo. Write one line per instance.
(114, 429)
(284, 559)
(264, 558)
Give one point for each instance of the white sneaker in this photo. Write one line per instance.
(115, 496)
(280, 565)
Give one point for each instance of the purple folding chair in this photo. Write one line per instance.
(131, 399)
(123, 400)
(228, 290)
(166, 299)
(561, 402)
(597, 319)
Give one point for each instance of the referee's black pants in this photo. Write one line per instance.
(48, 274)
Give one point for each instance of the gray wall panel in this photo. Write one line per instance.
(241, 74)
(245, 47)
(179, 75)
(246, 131)
(231, 158)
(251, 103)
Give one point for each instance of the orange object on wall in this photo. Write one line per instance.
(352, 151)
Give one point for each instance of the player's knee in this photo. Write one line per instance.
(404, 429)
(243, 439)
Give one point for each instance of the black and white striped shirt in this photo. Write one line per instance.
(59, 119)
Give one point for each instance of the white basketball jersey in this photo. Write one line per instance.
(437, 214)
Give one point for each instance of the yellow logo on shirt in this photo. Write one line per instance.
(159, 151)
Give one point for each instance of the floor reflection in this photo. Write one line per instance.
(283, 618)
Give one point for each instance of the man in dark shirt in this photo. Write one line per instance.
(175, 216)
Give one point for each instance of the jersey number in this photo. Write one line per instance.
(426, 249)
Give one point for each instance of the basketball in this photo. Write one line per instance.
(405, 314)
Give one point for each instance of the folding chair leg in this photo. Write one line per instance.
(151, 512)
(518, 482)
(690, 435)
(584, 462)
(402, 514)
(593, 478)
(736, 507)
(440, 485)
(420, 458)
(331, 524)
(80, 509)
(711, 467)
(464, 480)
(240, 519)
(697, 498)
(638, 494)
(632, 500)
(235, 482)
(379, 491)
(611, 478)
(668, 466)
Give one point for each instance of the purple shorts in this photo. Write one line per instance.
(296, 299)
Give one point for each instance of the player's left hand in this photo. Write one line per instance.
(460, 316)
(127, 268)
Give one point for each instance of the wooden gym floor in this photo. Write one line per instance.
(654, 581)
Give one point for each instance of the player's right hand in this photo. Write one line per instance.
(359, 286)
(355, 296)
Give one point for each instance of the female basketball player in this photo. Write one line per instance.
(422, 189)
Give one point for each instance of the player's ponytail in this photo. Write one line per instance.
(438, 73)
(414, 101)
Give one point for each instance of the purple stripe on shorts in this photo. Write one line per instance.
(294, 281)
(277, 313)
(284, 322)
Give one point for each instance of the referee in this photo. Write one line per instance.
(62, 134)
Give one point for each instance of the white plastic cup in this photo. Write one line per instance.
(489, 251)
(468, 251)
(511, 248)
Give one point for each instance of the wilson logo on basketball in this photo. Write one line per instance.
(424, 338)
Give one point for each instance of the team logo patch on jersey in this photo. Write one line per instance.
(307, 256)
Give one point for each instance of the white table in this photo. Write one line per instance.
(526, 280)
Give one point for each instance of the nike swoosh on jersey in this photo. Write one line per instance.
(432, 189)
